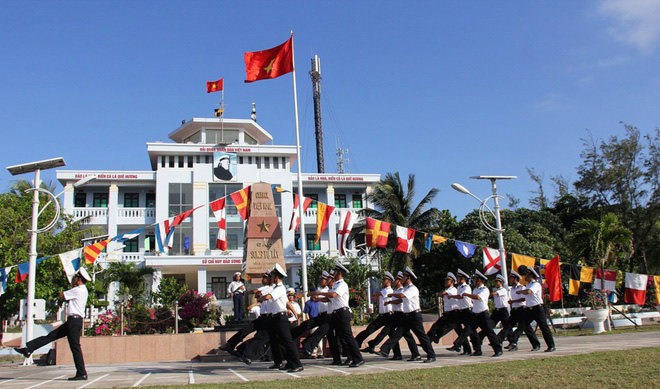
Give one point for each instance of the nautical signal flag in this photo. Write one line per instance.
(4, 275)
(404, 239)
(581, 278)
(164, 235)
(609, 282)
(636, 288)
(270, 63)
(492, 261)
(656, 281)
(377, 233)
(553, 279)
(242, 201)
(218, 208)
(467, 249)
(23, 269)
(70, 262)
(346, 221)
(518, 260)
(93, 250)
(323, 212)
(295, 217)
(215, 86)
(430, 240)
(218, 112)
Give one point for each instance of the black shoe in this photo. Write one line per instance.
(414, 359)
(430, 360)
(295, 369)
(368, 350)
(335, 363)
(244, 359)
(347, 362)
(356, 364)
(226, 348)
(510, 346)
(320, 357)
(466, 352)
(79, 378)
(275, 366)
(498, 353)
(550, 349)
(454, 348)
(514, 348)
(396, 359)
(537, 348)
(383, 354)
(286, 367)
(477, 354)
(23, 351)
(306, 354)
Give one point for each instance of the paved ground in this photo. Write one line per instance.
(181, 373)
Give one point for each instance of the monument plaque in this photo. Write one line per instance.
(263, 240)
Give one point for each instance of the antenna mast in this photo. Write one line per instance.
(341, 169)
(315, 74)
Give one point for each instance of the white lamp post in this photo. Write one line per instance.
(37, 167)
(483, 208)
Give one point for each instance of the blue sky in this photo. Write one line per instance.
(443, 90)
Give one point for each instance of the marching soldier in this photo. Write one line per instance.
(463, 307)
(384, 312)
(279, 330)
(516, 319)
(396, 330)
(500, 297)
(320, 322)
(450, 320)
(534, 311)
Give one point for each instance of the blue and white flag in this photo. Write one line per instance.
(129, 235)
(466, 249)
(70, 262)
(4, 275)
(164, 235)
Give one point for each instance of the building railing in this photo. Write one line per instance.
(96, 215)
(136, 215)
(310, 213)
(130, 257)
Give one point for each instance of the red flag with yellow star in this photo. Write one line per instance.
(215, 86)
(271, 63)
(377, 233)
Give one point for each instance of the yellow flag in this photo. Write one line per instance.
(656, 279)
(519, 260)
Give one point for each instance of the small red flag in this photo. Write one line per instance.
(553, 279)
(215, 86)
(242, 201)
(271, 63)
(377, 233)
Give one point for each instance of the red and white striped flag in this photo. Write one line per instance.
(609, 282)
(295, 217)
(346, 221)
(404, 239)
(636, 288)
(219, 210)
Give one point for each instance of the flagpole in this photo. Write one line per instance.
(303, 237)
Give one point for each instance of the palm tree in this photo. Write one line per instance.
(130, 277)
(394, 203)
(604, 241)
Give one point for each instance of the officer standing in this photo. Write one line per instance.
(340, 321)
(517, 312)
(235, 290)
(463, 308)
(76, 298)
(450, 319)
(535, 311)
(384, 312)
(279, 330)
(500, 297)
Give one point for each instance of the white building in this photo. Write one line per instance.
(182, 177)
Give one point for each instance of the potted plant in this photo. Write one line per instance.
(599, 311)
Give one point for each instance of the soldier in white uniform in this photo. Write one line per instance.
(516, 319)
(384, 318)
(500, 296)
(535, 311)
(463, 307)
(320, 322)
(450, 320)
(397, 330)
(235, 291)
(76, 298)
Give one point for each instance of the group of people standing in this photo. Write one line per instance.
(465, 311)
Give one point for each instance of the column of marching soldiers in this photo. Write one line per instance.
(465, 311)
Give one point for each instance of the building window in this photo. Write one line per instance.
(240, 160)
(150, 243)
(131, 245)
(151, 200)
(180, 197)
(234, 235)
(218, 287)
(357, 200)
(80, 200)
(131, 200)
(266, 162)
(100, 200)
(276, 163)
(258, 159)
(171, 157)
(310, 242)
(314, 197)
(340, 201)
(190, 161)
(249, 160)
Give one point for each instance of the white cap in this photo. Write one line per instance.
(238, 273)
(83, 273)
(280, 270)
(501, 278)
(290, 291)
(477, 273)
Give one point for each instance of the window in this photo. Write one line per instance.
(266, 162)
(180, 197)
(131, 245)
(314, 197)
(190, 161)
(171, 157)
(234, 235)
(151, 200)
(310, 242)
(258, 159)
(131, 200)
(100, 200)
(194, 138)
(276, 163)
(217, 191)
(340, 201)
(150, 242)
(249, 139)
(218, 287)
(80, 200)
(357, 200)
(221, 136)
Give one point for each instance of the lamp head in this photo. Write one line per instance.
(460, 188)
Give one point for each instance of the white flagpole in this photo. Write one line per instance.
(301, 199)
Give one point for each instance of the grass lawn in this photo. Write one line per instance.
(630, 369)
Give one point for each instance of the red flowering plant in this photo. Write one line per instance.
(107, 324)
(197, 309)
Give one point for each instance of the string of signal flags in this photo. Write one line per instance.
(377, 233)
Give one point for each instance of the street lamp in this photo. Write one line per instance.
(483, 208)
(37, 167)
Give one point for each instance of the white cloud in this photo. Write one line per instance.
(637, 22)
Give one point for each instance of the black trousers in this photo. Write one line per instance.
(478, 320)
(516, 319)
(281, 343)
(397, 331)
(537, 313)
(305, 326)
(245, 331)
(71, 329)
(448, 322)
(380, 321)
(255, 347)
(500, 315)
(385, 331)
(238, 306)
(340, 322)
(322, 322)
(413, 322)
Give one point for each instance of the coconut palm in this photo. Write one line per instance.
(130, 277)
(604, 241)
(394, 203)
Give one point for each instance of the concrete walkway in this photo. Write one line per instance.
(182, 373)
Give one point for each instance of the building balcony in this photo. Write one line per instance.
(136, 215)
(94, 214)
(130, 257)
(310, 214)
